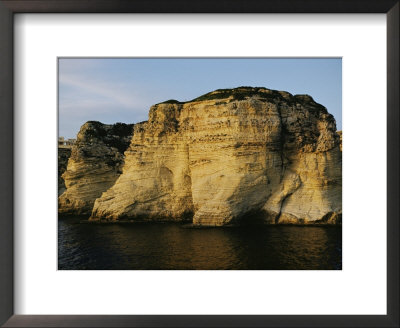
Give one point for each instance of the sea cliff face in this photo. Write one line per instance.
(63, 156)
(225, 157)
(94, 165)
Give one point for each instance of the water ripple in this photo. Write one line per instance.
(171, 246)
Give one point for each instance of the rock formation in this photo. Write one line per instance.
(228, 156)
(95, 164)
(63, 156)
(340, 136)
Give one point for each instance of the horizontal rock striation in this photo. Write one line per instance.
(63, 156)
(94, 165)
(228, 156)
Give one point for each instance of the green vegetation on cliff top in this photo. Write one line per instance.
(244, 92)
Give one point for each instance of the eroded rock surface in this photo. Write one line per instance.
(94, 165)
(227, 156)
(63, 156)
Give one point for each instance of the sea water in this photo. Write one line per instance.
(174, 246)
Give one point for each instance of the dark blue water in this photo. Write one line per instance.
(165, 246)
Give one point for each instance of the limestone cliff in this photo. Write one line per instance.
(63, 156)
(230, 155)
(96, 162)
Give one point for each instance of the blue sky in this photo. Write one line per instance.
(123, 89)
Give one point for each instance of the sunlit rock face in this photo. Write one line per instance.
(155, 183)
(94, 165)
(230, 156)
(63, 156)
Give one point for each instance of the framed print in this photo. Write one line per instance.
(193, 153)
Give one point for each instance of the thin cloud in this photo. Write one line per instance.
(120, 95)
(84, 96)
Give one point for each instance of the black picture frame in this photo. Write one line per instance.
(10, 7)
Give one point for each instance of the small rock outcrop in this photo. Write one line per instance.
(94, 165)
(63, 156)
(224, 157)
